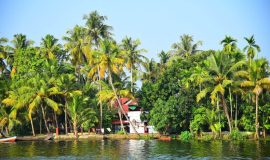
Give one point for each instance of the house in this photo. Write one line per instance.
(134, 112)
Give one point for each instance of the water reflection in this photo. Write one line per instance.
(136, 149)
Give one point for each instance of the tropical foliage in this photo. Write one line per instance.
(78, 84)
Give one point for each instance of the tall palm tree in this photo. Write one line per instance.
(133, 57)
(164, 57)
(229, 44)
(50, 46)
(151, 71)
(75, 43)
(252, 48)
(256, 80)
(107, 95)
(66, 87)
(40, 98)
(220, 68)
(20, 42)
(111, 62)
(97, 30)
(186, 46)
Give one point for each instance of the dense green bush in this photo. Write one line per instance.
(185, 136)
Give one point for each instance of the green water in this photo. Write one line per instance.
(135, 149)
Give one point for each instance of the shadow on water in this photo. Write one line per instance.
(136, 149)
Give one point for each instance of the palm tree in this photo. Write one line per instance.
(220, 68)
(256, 80)
(97, 30)
(20, 42)
(80, 113)
(252, 48)
(186, 47)
(75, 44)
(40, 97)
(111, 61)
(49, 46)
(133, 57)
(164, 57)
(107, 95)
(66, 87)
(229, 44)
(151, 71)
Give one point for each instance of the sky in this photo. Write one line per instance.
(158, 24)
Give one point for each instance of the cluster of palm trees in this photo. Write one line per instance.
(73, 84)
(228, 73)
(52, 80)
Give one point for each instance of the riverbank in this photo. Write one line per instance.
(71, 136)
(204, 137)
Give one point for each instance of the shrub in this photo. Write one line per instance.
(120, 132)
(236, 135)
(185, 136)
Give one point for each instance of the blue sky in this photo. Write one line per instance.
(157, 24)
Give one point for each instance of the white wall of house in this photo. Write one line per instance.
(135, 118)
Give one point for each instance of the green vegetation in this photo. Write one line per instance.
(74, 85)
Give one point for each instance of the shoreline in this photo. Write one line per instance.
(157, 136)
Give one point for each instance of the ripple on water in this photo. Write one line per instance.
(135, 149)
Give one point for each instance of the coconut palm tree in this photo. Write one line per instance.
(97, 30)
(80, 113)
(229, 44)
(186, 46)
(20, 42)
(256, 79)
(164, 57)
(252, 48)
(66, 87)
(76, 41)
(133, 57)
(49, 46)
(40, 98)
(220, 67)
(111, 62)
(107, 95)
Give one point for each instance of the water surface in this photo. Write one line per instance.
(135, 149)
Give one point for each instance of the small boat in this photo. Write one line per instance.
(8, 139)
(165, 138)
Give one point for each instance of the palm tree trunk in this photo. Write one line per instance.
(120, 105)
(56, 121)
(235, 111)
(257, 122)
(66, 125)
(121, 121)
(231, 103)
(44, 118)
(100, 104)
(32, 126)
(131, 79)
(75, 129)
(225, 107)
